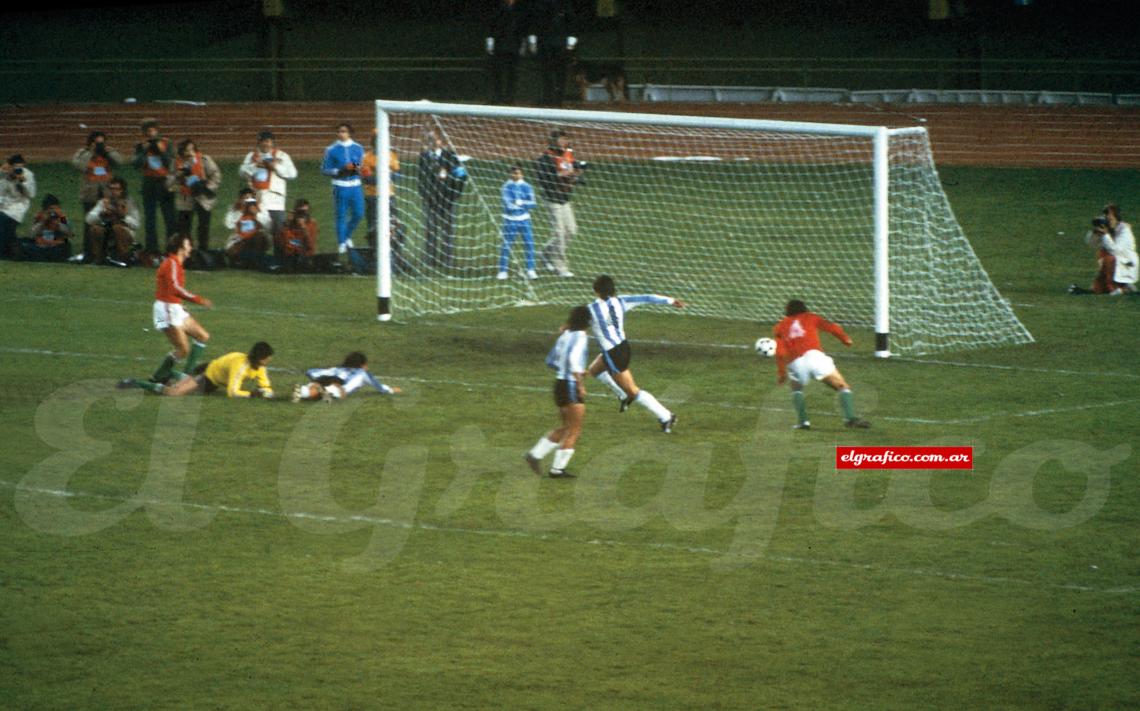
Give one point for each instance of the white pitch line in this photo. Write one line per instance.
(596, 396)
(507, 533)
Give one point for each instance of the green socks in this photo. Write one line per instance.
(163, 371)
(801, 405)
(147, 385)
(196, 349)
(847, 403)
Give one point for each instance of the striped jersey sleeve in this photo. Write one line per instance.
(607, 316)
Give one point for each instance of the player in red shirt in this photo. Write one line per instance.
(800, 358)
(169, 315)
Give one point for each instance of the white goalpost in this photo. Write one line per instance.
(736, 216)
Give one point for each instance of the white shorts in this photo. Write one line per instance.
(167, 315)
(813, 364)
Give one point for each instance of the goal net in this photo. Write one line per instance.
(734, 216)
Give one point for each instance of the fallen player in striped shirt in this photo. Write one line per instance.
(336, 383)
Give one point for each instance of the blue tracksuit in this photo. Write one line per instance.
(348, 193)
(518, 199)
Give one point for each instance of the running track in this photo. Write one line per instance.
(1011, 136)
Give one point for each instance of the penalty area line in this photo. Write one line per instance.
(527, 535)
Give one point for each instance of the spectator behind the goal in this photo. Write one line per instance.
(249, 239)
(441, 178)
(557, 174)
(111, 227)
(266, 169)
(98, 162)
(551, 37)
(297, 240)
(154, 156)
(17, 188)
(194, 181)
(51, 234)
(517, 198)
(342, 162)
(371, 211)
(504, 43)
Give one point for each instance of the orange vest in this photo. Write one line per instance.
(247, 226)
(98, 170)
(257, 182)
(197, 169)
(564, 161)
(368, 169)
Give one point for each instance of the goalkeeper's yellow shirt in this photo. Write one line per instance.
(232, 370)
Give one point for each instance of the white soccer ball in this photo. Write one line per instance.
(766, 347)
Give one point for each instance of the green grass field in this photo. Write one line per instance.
(396, 552)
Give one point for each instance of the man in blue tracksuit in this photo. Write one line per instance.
(518, 199)
(342, 163)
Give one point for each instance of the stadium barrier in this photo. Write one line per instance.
(762, 94)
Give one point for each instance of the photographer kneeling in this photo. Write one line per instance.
(112, 225)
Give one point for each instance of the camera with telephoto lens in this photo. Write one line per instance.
(153, 145)
(1099, 224)
(100, 148)
(581, 165)
(187, 171)
(17, 172)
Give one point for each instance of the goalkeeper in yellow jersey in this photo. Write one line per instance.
(229, 373)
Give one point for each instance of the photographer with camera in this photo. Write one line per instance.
(297, 240)
(154, 156)
(51, 234)
(194, 182)
(557, 174)
(98, 162)
(111, 227)
(266, 169)
(249, 241)
(17, 188)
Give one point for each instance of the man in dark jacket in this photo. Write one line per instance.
(504, 42)
(550, 24)
(441, 179)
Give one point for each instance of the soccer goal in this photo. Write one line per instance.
(735, 216)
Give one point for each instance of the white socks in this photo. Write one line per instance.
(561, 459)
(542, 448)
(608, 379)
(646, 400)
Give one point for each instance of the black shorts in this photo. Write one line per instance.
(566, 393)
(617, 358)
(204, 384)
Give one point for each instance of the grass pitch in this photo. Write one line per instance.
(396, 552)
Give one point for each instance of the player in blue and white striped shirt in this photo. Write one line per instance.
(607, 317)
(517, 199)
(330, 384)
(568, 359)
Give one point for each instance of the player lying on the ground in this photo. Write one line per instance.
(229, 373)
(330, 384)
(800, 358)
(607, 315)
(568, 359)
